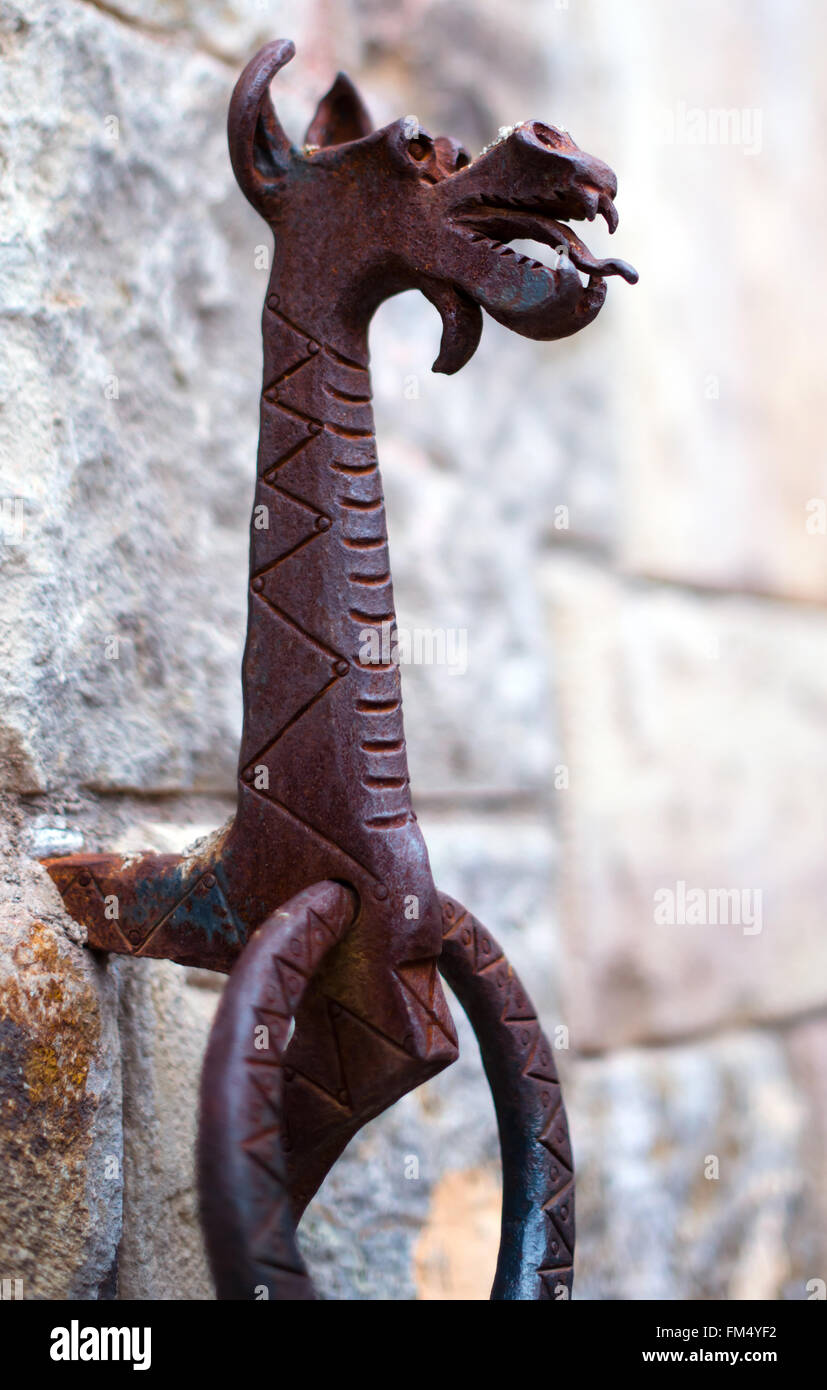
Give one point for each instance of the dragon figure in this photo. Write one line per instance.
(318, 896)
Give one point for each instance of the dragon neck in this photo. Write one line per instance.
(322, 725)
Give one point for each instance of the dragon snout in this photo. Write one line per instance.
(585, 184)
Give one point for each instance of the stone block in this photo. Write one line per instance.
(694, 737)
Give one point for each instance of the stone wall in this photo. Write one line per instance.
(627, 526)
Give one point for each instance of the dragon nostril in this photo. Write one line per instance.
(547, 135)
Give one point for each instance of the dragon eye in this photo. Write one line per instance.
(418, 149)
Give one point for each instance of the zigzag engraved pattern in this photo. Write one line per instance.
(243, 1148)
(538, 1169)
(306, 396)
(244, 1144)
(151, 898)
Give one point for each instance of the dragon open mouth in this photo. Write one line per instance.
(498, 221)
(528, 185)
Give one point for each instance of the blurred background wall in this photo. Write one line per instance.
(630, 526)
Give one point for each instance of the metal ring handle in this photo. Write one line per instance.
(537, 1239)
(245, 1202)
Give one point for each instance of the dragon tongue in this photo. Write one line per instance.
(611, 266)
(580, 256)
(561, 234)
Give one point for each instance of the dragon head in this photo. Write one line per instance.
(360, 214)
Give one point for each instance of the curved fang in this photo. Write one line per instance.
(461, 325)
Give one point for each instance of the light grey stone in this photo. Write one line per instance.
(502, 867)
(653, 1220)
(232, 30)
(164, 1025)
(649, 1128)
(129, 367)
(47, 836)
(806, 1045)
(464, 550)
(718, 382)
(519, 452)
(696, 752)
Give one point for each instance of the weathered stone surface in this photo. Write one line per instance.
(170, 323)
(647, 1128)
(458, 1246)
(701, 386)
(60, 1101)
(696, 751)
(129, 369)
(718, 383)
(164, 1024)
(462, 542)
(806, 1044)
(232, 30)
(487, 470)
(48, 835)
(502, 867)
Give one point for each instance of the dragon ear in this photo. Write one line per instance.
(340, 116)
(259, 149)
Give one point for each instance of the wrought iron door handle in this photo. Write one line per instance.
(244, 1153)
(325, 839)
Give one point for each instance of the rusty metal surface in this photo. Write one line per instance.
(323, 794)
(245, 1166)
(245, 1159)
(537, 1236)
